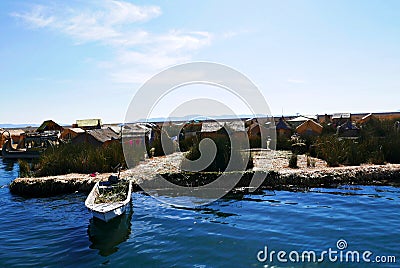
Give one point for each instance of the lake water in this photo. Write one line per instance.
(59, 231)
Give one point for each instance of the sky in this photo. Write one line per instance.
(68, 60)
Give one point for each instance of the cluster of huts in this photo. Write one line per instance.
(83, 131)
(94, 132)
(346, 125)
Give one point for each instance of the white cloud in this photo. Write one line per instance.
(119, 25)
(35, 18)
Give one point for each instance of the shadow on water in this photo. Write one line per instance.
(206, 210)
(106, 236)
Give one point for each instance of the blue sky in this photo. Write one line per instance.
(68, 60)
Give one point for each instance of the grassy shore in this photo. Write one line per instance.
(74, 158)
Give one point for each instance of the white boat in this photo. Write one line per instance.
(107, 210)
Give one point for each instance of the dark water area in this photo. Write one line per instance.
(60, 232)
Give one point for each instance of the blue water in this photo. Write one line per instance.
(59, 231)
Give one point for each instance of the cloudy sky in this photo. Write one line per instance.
(68, 60)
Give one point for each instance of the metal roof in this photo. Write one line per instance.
(299, 119)
(315, 117)
(341, 116)
(230, 125)
(77, 130)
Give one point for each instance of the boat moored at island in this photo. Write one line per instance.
(109, 200)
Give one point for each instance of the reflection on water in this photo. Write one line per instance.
(8, 164)
(106, 236)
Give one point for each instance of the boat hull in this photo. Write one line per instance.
(9, 153)
(19, 155)
(109, 215)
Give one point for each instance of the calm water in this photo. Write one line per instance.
(59, 232)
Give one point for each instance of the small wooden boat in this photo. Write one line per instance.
(107, 201)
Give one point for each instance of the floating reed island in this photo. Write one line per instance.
(333, 154)
(280, 177)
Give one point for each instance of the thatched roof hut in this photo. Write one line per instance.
(49, 125)
(283, 128)
(233, 128)
(70, 133)
(309, 128)
(297, 121)
(97, 137)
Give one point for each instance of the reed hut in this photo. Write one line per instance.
(49, 125)
(283, 129)
(97, 137)
(136, 134)
(309, 128)
(297, 121)
(213, 129)
(70, 133)
(256, 129)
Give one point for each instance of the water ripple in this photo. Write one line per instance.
(59, 231)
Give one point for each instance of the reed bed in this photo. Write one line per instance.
(74, 158)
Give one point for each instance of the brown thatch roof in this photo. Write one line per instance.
(309, 127)
(49, 125)
(103, 135)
